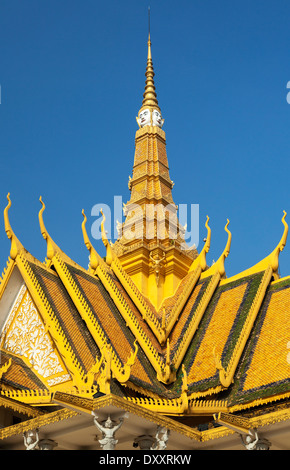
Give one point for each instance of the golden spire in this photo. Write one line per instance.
(149, 96)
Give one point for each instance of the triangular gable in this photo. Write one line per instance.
(24, 336)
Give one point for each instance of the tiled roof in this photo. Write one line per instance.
(19, 376)
(69, 318)
(264, 370)
(260, 367)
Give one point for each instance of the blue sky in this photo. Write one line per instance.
(72, 79)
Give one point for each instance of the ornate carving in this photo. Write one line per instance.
(31, 439)
(108, 429)
(28, 339)
(252, 442)
(161, 438)
(157, 264)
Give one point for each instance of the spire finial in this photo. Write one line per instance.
(150, 113)
(149, 21)
(150, 96)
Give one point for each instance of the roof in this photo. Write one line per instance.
(200, 344)
(217, 343)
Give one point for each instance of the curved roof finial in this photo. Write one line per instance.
(280, 247)
(95, 258)
(43, 230)
(270, 261)
(201, 259)
(8, 228)
(110, 254)
(225, 254)
(52, 247)
(16, 245)
(219, 266)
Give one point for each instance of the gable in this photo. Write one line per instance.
(24, 335)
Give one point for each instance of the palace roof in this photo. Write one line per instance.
(207, 344)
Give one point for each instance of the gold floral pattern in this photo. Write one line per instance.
(24, 335)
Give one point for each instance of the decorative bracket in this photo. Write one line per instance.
(5, 367)
(124, 374)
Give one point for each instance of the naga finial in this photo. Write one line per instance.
(16, 245)
(110, 254)
(221, 261)
(51, 246)
(103, 231)
(201, 259)
(219, 266)
(272, 260)
(43, 230)
(95, 258)
(283, 240)
(280, 247)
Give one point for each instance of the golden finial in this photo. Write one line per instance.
(201, 259)
(16, 246)
(219, 266)
(280, 247)
(95, 258)
(52, 248)
(110, 254)
(272, 260)
(40, 218)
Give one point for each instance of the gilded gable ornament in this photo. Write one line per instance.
(24, 335)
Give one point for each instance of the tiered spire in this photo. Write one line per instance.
(149, 96)
(155, 259)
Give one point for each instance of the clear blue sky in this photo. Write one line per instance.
(72, 79)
